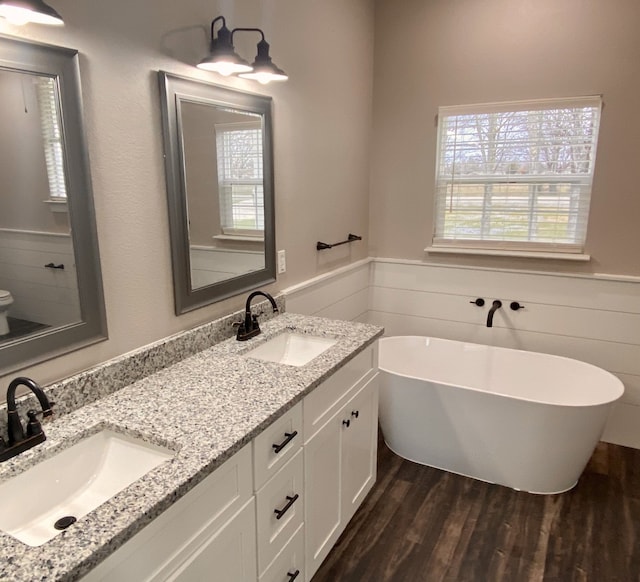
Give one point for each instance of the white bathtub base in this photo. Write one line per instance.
(494, 436)
(477, 478)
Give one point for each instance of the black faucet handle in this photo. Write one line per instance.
(33, 426)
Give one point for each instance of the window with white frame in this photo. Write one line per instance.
(516, 176)
(52, 136)
(240, 178)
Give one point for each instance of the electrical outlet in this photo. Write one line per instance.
(282, 262)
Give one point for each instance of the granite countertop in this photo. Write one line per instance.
(205, 408)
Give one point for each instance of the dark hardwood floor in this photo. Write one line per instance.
(423, 524)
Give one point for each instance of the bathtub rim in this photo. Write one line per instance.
(619, 384)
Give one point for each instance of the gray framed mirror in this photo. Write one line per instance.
(51, 298)
(219, 170)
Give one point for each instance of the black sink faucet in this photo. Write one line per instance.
(497, 304)
(19, 441)
(249, 327)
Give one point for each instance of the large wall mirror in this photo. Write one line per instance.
(50, 284)
(219, 167)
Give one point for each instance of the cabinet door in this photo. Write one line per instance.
(323, 507)
(359, 448)
(229, 555)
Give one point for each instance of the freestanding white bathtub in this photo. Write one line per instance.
(526, 420)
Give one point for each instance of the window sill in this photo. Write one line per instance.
(238, 237)
(56, 205)
(506, 253)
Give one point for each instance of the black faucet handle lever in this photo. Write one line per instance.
(33, 426)
(43, 413)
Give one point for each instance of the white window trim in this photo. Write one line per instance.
(525, 249)
(51, 125)
(453, 250)
(231, 233)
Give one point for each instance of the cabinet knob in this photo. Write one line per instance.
(293, 575)
(479, 301)
(355, 413)
(346, 423)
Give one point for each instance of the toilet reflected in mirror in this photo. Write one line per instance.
(5, 302)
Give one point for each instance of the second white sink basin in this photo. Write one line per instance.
(294, 349)
(39, 503)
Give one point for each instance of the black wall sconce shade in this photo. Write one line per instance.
(24, 11)
(264, 70)
(224, 60)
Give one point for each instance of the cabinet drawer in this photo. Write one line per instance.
(279, 510)
(326, 399)
(276, 445)
(288, 565)
(170, 538)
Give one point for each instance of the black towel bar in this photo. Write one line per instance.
(321, 246)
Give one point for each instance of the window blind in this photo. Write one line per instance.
(516, 175)
(52, 135)
(240, 177)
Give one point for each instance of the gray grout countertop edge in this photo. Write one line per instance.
(205, 408)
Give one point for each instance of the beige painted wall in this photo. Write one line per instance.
(450, 52)
(321, 137)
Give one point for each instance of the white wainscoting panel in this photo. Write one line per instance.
(341, 294)
(42, 295)
(210, 265)
(589, 318)
(596, 320)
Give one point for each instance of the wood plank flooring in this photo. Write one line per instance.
(421, 524)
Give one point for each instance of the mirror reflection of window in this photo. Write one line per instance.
(52, 137)
(240, 178)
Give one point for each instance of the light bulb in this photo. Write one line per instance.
(19, 16)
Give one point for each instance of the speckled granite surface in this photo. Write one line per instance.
(205, 407)
(107, 378)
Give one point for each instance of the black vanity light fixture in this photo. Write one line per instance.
(224, 60)
(264, 70)
(24, 11)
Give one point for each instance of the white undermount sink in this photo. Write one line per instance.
(294, 349)
(72, 483)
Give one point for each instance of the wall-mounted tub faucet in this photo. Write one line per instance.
(249, 327)
(18, 441)
(497, 304)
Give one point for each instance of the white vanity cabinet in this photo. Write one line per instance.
(273, 511)
(209, 534)
(340, 453)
